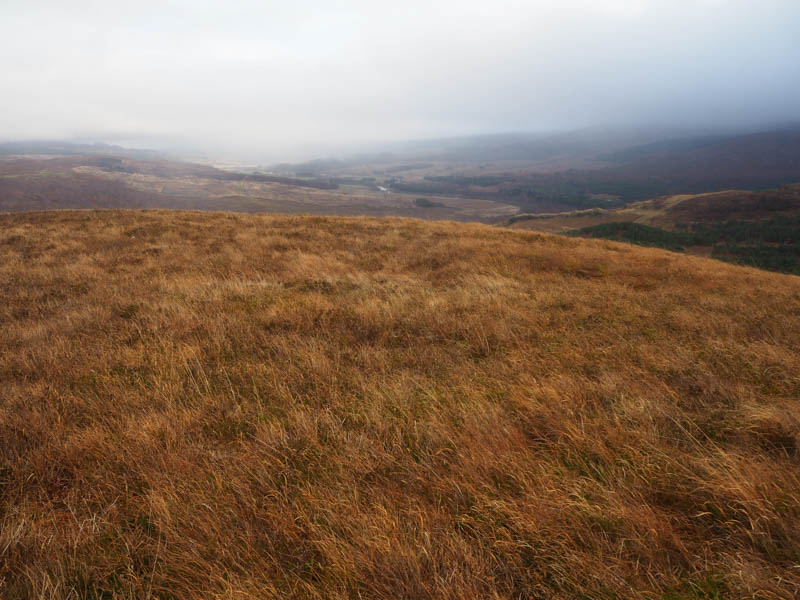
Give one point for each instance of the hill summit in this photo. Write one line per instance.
(202, 405)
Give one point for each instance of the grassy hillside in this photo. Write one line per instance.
(202, 405)
(759, 229)
(772, 244)
(671, 212)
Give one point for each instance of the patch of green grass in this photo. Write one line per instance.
(710, 587)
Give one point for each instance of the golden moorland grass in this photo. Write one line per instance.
(198, 405)
(671, 212)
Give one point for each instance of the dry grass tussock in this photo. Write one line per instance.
(235, 406)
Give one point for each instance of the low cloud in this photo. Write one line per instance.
(265, 79)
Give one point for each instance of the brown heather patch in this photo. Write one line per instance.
(228, 406)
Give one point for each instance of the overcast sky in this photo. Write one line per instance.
(265, 78)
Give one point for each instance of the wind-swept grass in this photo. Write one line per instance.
(235, 406)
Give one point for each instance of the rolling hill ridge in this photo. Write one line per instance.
(757, 228)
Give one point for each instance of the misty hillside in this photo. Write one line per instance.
(751, 158)
(213, 405)
(652, 150)
(574, 170)
(45, 182)
(570, 171)
(64, 148)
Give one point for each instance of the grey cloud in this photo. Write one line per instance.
(267, 79)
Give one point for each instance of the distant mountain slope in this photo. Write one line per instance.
(506, 173)
(758, 158)
(578, 170)
(61, 148)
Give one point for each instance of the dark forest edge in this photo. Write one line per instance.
(772, 244)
